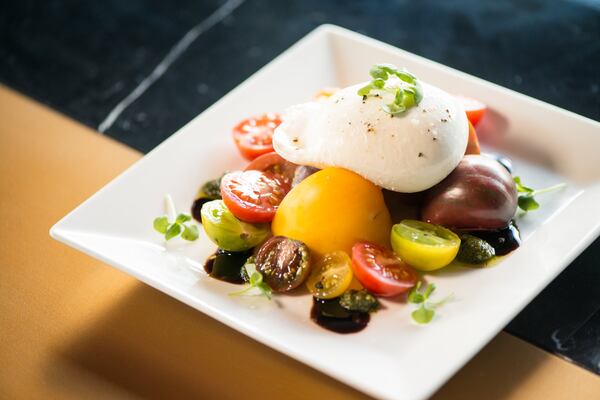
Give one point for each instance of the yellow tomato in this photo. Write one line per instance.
(424, 246)
(330, 276)
(333, 209)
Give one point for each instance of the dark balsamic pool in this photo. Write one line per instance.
(503, 240)
(332, 316)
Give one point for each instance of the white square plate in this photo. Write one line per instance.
(405, 361)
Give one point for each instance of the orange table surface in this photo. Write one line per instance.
(72, 327)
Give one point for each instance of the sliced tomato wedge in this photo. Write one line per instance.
(473, 143)
(253, 196)
(380, 271)
(254, 136)
(474, 108)
(274, 163)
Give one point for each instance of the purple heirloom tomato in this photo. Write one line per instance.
(479, 194)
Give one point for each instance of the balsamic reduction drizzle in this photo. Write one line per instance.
(226, 265)
(197, 206)
(332, 316)
(503, 240)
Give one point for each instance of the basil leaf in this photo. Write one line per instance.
(256, 278)
(255, 281)
(520, 187)
(379, 83)
(527, 203)
(407, 93)
(365, 90)
(430, 288)
(377, 72)
(174, 230)
(161, 224)
(422, 315)
(181, 218)
(415, 297)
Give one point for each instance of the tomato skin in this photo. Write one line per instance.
(254, 136)
(283, 262)
(380, 271)
(265, 162)
(424, 246)
(474, 109)
(330, 276)
(473, 143)
(274, 163)
(253, 196)
(331, 210)
(479, 194)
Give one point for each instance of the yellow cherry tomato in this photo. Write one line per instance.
(331, 210)
(424, 246)
(331, 276)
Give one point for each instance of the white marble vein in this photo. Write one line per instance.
(174, 53)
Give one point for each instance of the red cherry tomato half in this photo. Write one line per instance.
(254, 136)
(473, 143)
(380, 271)
(253, 196)
(474, 108)
(274, 163)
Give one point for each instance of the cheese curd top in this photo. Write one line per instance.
(407, 153)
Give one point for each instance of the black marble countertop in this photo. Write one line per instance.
(97, 62)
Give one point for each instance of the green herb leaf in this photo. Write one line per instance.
(414, 296)
(406, 91)
(190, 233)
(161, 224)
(430, 288)
(172, 231)
(256, 278)
(378, 72)
(255, 281)
(181, 218)
(365, 90)
(527, 203)
(179, 226)
(379, 83)
(423, 315)
(520, 187)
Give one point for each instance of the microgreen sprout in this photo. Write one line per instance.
(180, 224)
(254, 280)
(404, 92)
(526, 200)
(426, 311)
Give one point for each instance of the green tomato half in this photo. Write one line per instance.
(228, 232)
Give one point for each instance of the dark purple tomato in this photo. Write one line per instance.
(479, 194)
(283, 262)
